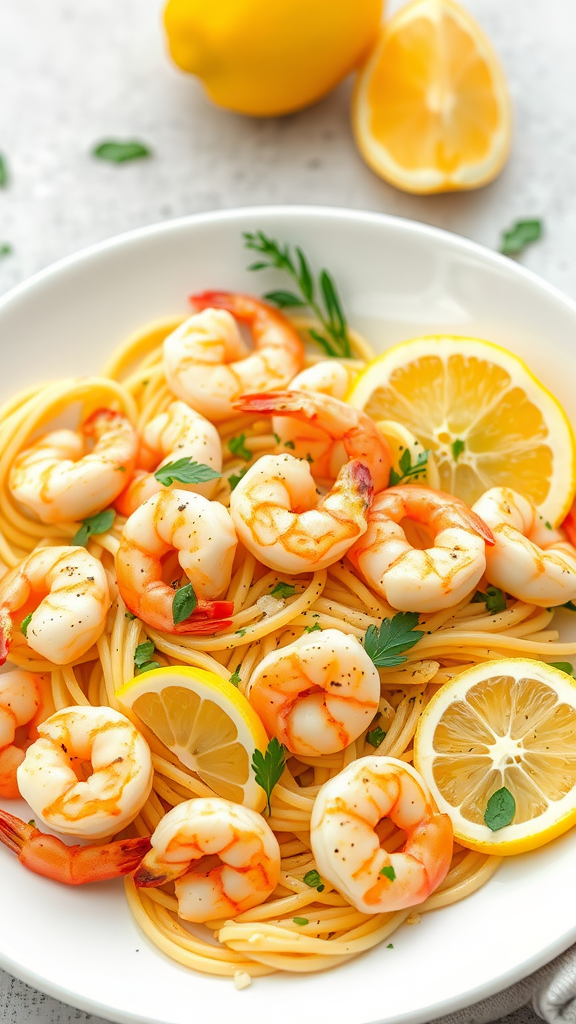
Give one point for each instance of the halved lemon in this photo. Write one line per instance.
(486, 418)
(206, 722)
(431, 111)
(509, 726)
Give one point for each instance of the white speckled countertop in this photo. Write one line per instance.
(75, 73)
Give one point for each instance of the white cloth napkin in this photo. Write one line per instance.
(552, 991)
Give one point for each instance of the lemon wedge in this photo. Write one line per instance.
(496, 747)
(206, 722)
(484, 416)
(431, 111)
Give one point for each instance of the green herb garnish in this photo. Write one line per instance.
(240, 632)
(129, 615)
(300, 920)
(235, 677)
(4, 177)
(389, 872)
(184, 603)
(289, 444)
(283, 590)
(519, 236)
(389, 946)
(457, 447)
(316, 628)
(375, 736)
(185, 471)
(335, 341)
(494, 599)
(25, 624)
(268, 767)
(569, 605)
(406, 469)
(547, 525)
(100, 523)
(564, 666)
(500, 809)
(143, 657)
(385, 645)
(5, 249)
(277, 438)
(235, 478)
(313, 879)
(237, 446)
(119, 152)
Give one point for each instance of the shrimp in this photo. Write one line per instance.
(422, 580)
(178, 433)
(280, 519)
(25, 699)
(346, 846)
(58, 598)
(243, 865)
(202, 534)
(529, 559)
(317, 694)
(72, 865)
(208, 365)
(331, 432)
(60, 480)
(68, 799)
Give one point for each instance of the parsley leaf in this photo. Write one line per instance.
(389, 872)
(385, 645)
(277, 438)
(268, 767)
(185, 471)
(289, 444)
(184, 603)
(283, 590)
(390, 946)
(118, 152)
(564, 666)
(494, 599)
(100, 523)
(129, 615)
(143, 655)
(316, 628)
(457, 447)
(569, 605)
(500, 809)
(405, 468)
(25, 624)
(520, 235)
(235, 677)
(300, 920)
(313, 879)
(237, 446)
(235, 478)
(322, 298)
(375, 736)
(4, 178)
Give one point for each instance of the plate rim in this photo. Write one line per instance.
(453, 240)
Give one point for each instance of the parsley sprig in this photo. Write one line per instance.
(183, 603)
(99, 523)
(494, 599)
(268, 767)
(385, 645)
(407, 470)
(143, 657)
(185, 471)
(336, 340)
(237, 446)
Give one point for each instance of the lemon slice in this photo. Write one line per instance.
(486, 418)
(431, 111)
(510, 725)
(206, 722)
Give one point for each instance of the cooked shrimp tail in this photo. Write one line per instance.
(72, 865)
(351, 433)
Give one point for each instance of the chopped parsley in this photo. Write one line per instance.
(316, 628)
(283, 590)
(493, 598)
(235, 677)
(521, 234)
(313, 879)
(117, 152)
(25, 624)
(389, 872)
(457, 447)
(375, 736)
(237, 446)
(300, 920)
(407, 471)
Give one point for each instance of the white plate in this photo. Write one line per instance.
(397, 279)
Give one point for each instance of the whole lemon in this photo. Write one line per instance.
(270, 57)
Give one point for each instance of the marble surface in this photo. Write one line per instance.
(76, 73)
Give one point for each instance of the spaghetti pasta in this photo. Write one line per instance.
(268, 937)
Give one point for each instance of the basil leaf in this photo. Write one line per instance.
(500, 809)
(99, 523)
(184, 603)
